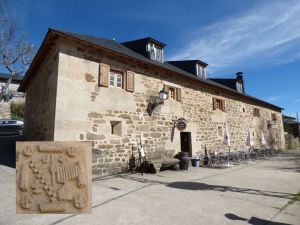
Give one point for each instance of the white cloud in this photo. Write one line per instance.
(296, 100)
(268, 35)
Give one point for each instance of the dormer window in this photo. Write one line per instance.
(155, 52)
(200, 71)
(239, 87)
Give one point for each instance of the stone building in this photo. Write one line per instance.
(87, 88)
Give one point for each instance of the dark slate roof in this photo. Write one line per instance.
(5, 77)
(231, 83)
(119, 48)
(187, 65)
(289, 120)
(123, 50)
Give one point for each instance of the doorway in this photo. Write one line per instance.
(186, 142)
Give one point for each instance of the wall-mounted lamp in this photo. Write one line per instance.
(162, 95)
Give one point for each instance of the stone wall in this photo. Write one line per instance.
(85, 111)
(291, 141)
(5, 110)
(41, 100)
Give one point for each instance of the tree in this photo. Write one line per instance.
(15, 52)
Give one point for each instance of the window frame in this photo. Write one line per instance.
(239, 87)
(218, 104)
(256, 112)
(273, 117)
(116, 75)
(158, 52)
(177, 96)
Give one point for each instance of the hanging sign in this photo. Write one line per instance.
(181, 124)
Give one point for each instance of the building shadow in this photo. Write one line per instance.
(220, 188)
(253, 220)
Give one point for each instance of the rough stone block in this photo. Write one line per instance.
(53, 177)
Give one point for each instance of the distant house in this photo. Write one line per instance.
(291, 126)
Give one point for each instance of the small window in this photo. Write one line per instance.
(220, 131)
(156, 53)
(273, 116)
(172, 92)
(256, 112)
(244, 110)
(116, 79)
(116, 128)
(201, 71)
(239, 87)
(218, 104)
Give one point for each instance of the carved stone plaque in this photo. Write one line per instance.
(53, 177)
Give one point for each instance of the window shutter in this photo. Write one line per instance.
(130, 81)
(166, 88)
(223, 105)
(178, 94)
(214, 103)
(103, 75)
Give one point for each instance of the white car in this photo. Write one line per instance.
(8, 126)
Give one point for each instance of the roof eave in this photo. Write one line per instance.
(22, 87)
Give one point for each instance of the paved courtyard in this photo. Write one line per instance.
(262, 193)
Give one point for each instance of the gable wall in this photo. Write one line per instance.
(40, 100)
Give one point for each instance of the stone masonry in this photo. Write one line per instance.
(77, 108)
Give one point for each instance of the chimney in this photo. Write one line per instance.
(239, 76)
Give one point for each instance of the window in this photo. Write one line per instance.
(201, 71)
(239, 87)
(273, 116)
(244, 110)
(174, 93)
(156, 53)
(256, 112)
(116, 79)
(220, 131)
(218, 104)
(116, 128)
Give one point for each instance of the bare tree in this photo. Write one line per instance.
(15, 52)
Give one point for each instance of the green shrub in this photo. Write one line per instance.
(17, 110)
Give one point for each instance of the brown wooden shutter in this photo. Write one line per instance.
(166, 88)
(130, 81)
(178, 94)
(104, 71)
(214, 100)
(223, 105)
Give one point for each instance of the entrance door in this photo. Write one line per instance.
(186, 142)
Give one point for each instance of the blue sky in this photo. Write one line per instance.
(259, 37)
